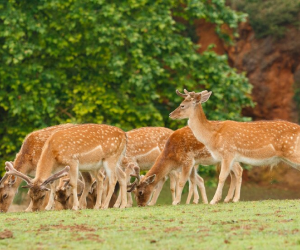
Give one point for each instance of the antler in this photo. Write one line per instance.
(136, 174)
(10, 170)
(5, 176)
(56, 176)
(180, 94)
(137, 180)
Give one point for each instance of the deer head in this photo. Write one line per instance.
(7, 191)
(191, 100)
(142, 189)
(64, 192)
(37, 191)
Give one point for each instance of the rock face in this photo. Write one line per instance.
(273, 68)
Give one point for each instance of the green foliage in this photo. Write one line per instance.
(270, 17)
(114, 62)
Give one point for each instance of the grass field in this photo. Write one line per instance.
(246, 225)
(269, 224)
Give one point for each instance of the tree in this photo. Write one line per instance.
(114, 62)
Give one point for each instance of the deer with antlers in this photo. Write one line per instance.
(182, 151)
(256, 143)
(85, 147)
(25, 162)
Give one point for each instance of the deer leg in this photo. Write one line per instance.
(186, 170)
(110, 168)
(191, 191)
(129, 197)
(238, 171)
(87, 186)
(51, 201)
(232, 187)
(99, 187)
(73, 173)
(196, 194)
(29, 208)
(225, 170)
(123, 186)
(105, 186)
(193, 187)
(157, 191)
(174, 176)
(200, 184)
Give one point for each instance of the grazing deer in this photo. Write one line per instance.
(85, 147)
(25, 162)
(144, 145)
(182, 151)
(256, 143)
(63, 193)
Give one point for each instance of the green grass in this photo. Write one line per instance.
(268, 224)
(246, 225)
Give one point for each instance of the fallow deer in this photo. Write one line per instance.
(25, 162)
(64, 194)
(144, 145)
(85, 147)
(256, 143)
(182, 151)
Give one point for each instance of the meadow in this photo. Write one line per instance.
(262, 224)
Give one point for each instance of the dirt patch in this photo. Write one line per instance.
(14, 219)
(6, 234)
(91, 237)
(172, 229)
(72, 228)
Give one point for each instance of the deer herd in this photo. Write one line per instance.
(91, 165)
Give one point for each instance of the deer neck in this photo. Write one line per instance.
(160, 168)
(200, 126)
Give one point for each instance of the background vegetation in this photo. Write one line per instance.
(109, 62)
(270, 17)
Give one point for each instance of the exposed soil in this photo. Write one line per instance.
(6, 234)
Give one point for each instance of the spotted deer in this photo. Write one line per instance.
(63, 193)
(26, 162)
(182, 151)
(256, 143)
(85, 147)
(143, 147)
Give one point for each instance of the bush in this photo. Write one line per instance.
(114, 62)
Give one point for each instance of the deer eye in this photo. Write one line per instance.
(182, 106)
(5, 196)
(141, 192)
(42, 197)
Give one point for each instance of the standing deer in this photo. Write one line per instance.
(25, 162)
(144, 145)
(182, 151)
(256, 143)
(85, 147)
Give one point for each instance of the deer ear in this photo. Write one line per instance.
(205, 96)
(150, 179)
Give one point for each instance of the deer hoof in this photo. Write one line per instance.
(75, 208)
(227, 199)
(48, 208)
(236, 200)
